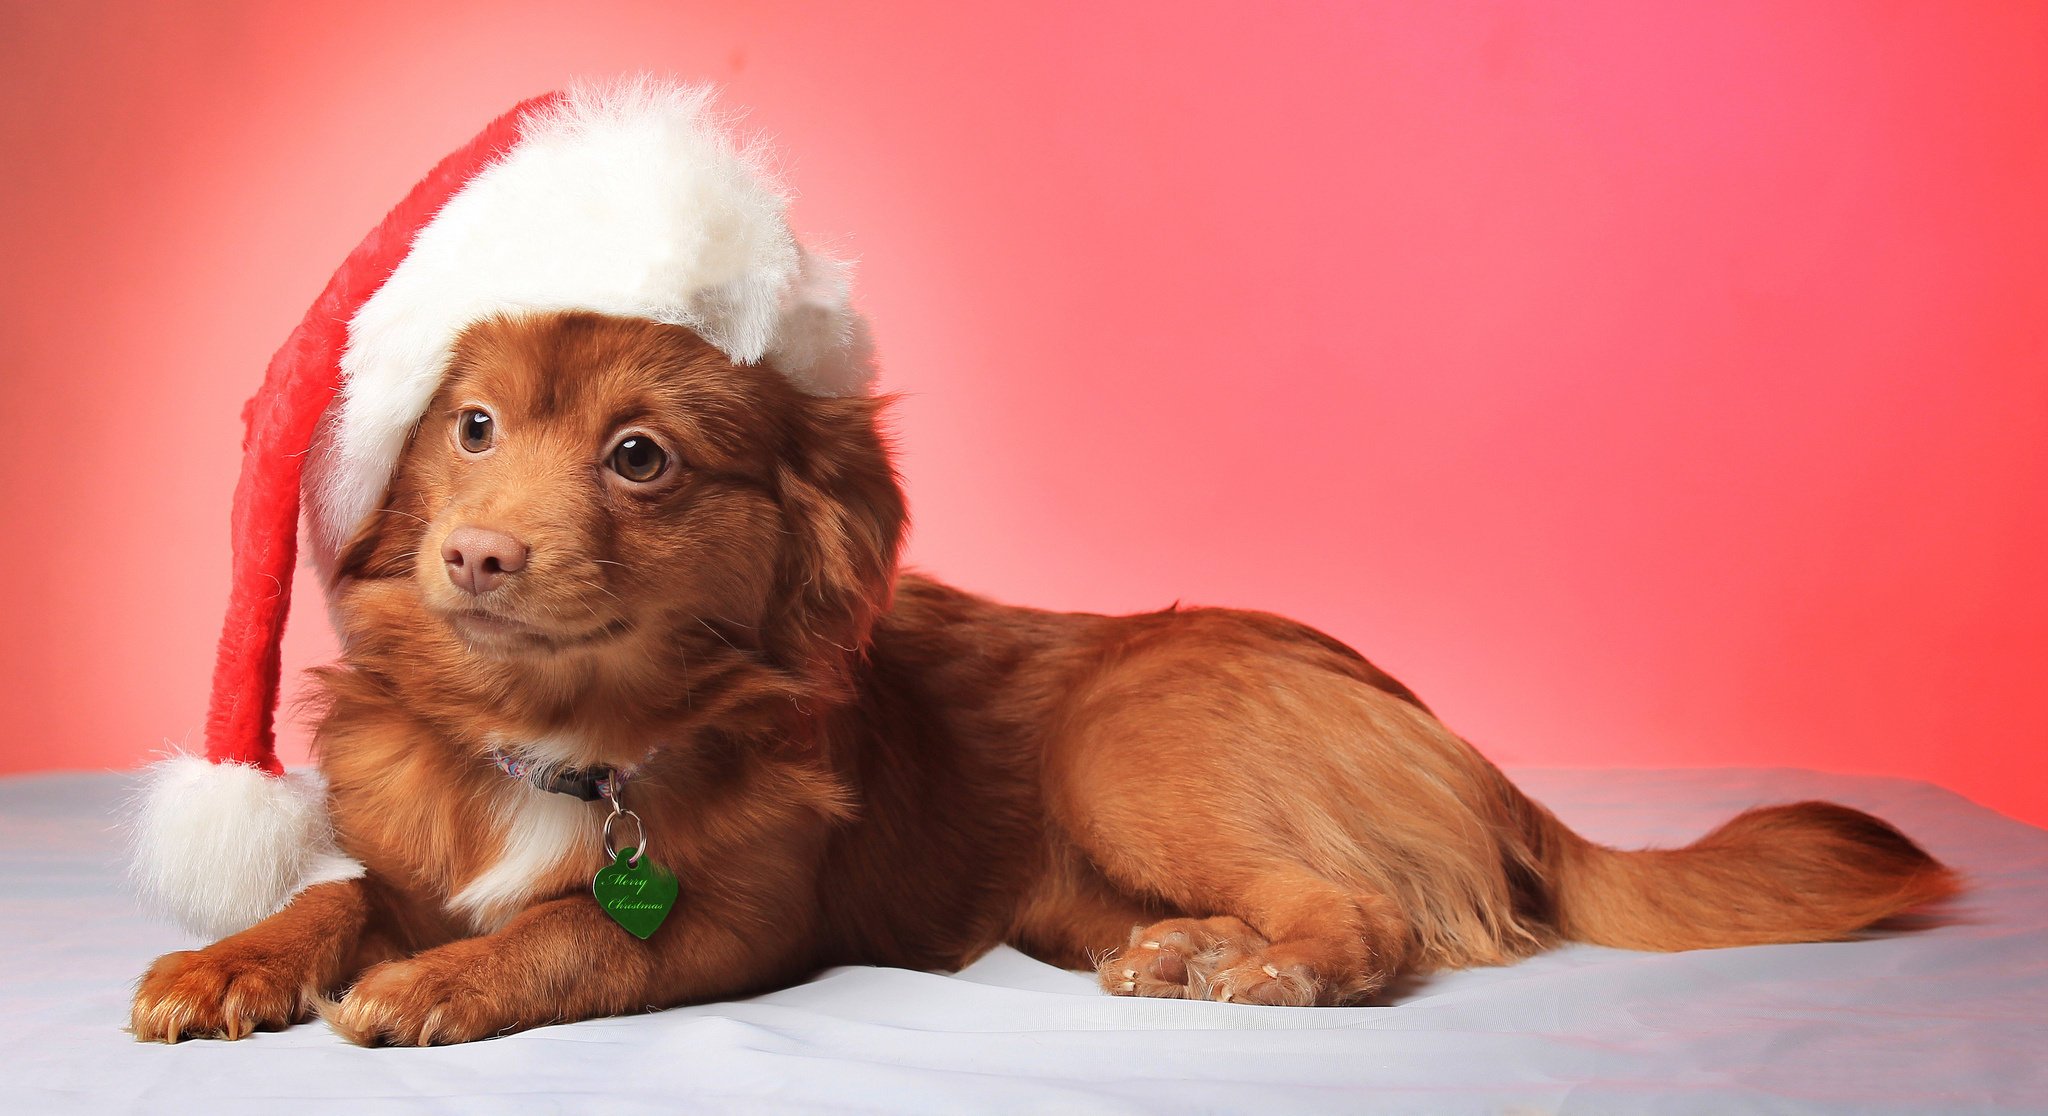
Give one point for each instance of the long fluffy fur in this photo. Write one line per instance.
(850, 764)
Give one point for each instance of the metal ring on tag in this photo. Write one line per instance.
(640, 836)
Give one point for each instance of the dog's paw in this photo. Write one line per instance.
(1177, 958)
(1305, 972)
(421, 1001)
(216, 993)
(1259, 980)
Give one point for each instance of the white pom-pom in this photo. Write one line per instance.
(219, 847)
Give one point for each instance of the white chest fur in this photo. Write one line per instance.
(541, 836)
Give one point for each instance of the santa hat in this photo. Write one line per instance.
(630, 199)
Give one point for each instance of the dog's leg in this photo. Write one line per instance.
(1242, 775)
(557, 962)
(264, 978)
(1266, 925)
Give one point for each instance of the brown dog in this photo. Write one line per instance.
(670, 563)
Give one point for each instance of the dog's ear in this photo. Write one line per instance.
(844, 519)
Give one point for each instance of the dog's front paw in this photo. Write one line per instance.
(219, 993)
(428, 1000)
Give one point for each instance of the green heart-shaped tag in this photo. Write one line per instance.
(638, 897)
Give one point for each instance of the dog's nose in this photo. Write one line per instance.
(480, 560)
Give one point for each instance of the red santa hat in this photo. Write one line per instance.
(631, 199)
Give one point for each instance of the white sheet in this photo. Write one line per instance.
(1953, 1018)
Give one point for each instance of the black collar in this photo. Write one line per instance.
(586, 783)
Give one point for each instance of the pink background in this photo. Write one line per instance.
(1645, 387)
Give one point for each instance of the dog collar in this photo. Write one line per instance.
(634, 889)
(586, 783)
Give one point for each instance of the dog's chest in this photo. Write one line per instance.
(545, 844)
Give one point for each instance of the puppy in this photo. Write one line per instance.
(681, 573)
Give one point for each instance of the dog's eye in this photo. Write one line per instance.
(473, 430)
(638, 459)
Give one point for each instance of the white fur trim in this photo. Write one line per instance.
(221, 846)
(629, 199)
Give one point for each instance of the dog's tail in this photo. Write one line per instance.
(1811, 871)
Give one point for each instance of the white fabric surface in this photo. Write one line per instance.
(1953, 1018)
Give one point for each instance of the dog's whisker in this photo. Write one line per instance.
(716, 632)
(407, 514)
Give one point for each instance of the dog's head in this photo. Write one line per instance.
(606, 505)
